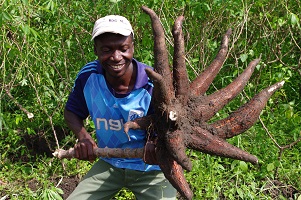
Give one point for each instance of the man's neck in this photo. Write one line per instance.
(125, 83)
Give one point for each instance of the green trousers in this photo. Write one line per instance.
(104, 181)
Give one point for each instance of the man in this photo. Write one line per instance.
(113, 89)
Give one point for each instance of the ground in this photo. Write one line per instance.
(68, 184)
(274, 188)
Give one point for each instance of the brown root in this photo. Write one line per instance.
(176, 146)
(201, 84)
(173, 172)
(182, 115)
(242, 119)
(202, 140)
(159, 82)
(180, 78)
(161, 64)
(139, 123)
(211, 104)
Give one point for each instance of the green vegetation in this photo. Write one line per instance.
(45, 43)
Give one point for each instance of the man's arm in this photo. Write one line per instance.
(84, 147)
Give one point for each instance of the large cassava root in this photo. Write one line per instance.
(182, 110)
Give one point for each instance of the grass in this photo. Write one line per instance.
(44, 44)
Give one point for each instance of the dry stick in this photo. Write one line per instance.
(299, 65)
(44, 110)
(281, 148)
(29, 114)
(103, 152)
(292, 35)
(299, 71)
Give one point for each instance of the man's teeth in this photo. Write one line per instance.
(117, 66)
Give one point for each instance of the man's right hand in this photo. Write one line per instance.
(86, 144)
(84, 149)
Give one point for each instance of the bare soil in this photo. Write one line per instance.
(68, 184)
(276, 189)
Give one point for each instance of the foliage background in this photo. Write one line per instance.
(44, 43)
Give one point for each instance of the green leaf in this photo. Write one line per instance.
(281, 22)
(18, 119)
(240, 193)
(251, 52)
(34, 32)
(294, 19)
(243, 166)
(289, 113)
(206, 7)
(26, 29)
(6, 16)
(23, 82)
(55, 195)
(47, 75)
(258, 66)
(270, 167)
(243, 57)
(44, 195)
(59, 190)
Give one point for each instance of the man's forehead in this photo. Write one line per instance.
(113, 39)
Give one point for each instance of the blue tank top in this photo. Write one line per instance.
(92, 96)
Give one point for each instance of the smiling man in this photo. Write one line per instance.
(112, 90)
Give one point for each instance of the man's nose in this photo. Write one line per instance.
(116, 56)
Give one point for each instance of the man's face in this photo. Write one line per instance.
(115, 53)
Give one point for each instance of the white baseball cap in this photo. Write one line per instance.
(112, 24)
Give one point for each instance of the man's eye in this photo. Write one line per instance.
(124, 49)
(105, 50)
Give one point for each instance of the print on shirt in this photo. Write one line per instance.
(111, 124)
(134, 114)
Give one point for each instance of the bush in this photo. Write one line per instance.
(44, 44)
